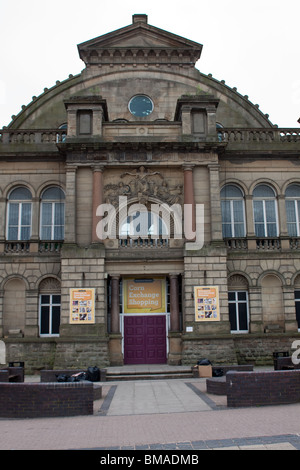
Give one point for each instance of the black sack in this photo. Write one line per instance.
(79, 377)
(93, 374)
(204, 362)
(218, 373)
(62, 377)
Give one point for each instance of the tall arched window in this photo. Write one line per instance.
(50, 304)
(233, 212)
(19, 214)
(265, 211)
(52, 214)
(292, 204)
(143, 224)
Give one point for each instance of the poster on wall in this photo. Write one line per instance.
(144, 295)
(206, 303)
(82, 306)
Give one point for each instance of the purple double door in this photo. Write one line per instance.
(145, 339)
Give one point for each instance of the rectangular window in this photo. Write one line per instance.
(84, 122)
(238, 311)
(52, 221)
(292, 216)
(49, 315)
(265, 218)
(19, 221)
(233, 218)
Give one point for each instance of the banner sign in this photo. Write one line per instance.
(206, 303)
(82, 306)
(144, 295)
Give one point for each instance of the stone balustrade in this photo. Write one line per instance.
(259, 135)
(262, 244)
(143, 242)
(226, 135)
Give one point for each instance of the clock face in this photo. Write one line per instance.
(141, 106)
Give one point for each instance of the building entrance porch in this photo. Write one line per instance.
(147, 313)
(145, 339)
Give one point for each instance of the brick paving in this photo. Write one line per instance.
(159, 415)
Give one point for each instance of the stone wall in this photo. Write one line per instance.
(208, 267)
(48, 353)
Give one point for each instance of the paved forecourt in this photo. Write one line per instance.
(174, 414)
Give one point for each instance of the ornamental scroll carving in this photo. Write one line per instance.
(143, 184)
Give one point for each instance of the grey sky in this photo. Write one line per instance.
(253, 46)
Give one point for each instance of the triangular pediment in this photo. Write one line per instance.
(137, 36)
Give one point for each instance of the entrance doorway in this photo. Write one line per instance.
(145, 339)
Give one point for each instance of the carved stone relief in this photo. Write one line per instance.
(143, 184)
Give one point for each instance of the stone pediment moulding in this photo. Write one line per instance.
(139, 42)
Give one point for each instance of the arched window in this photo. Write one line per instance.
(52, 214)
(19, 214)
(265, 211)
(143, 224)
(238, 304)
(50, 305)
(292, 204)
(61, 136)
(233, 212)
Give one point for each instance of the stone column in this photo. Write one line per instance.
(175, 341)
(70, 216)
(215, 203)
(249, 216)
(174, 303)
(189, 199)
(2, 218)
(250, 229)
(282, 222)
(97, 199)
(35, 218)
(115, 305)
(115, 337)
(2, 228)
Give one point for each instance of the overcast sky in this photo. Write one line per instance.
(253, 46)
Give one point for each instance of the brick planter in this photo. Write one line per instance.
(262, 388)
(216, 385)
(34, 400)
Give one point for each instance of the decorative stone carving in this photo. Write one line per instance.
(237, 281)
(49, 285)
(143, 184)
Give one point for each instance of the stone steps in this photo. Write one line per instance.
(149, 375)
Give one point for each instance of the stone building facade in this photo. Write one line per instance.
(97, 267)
